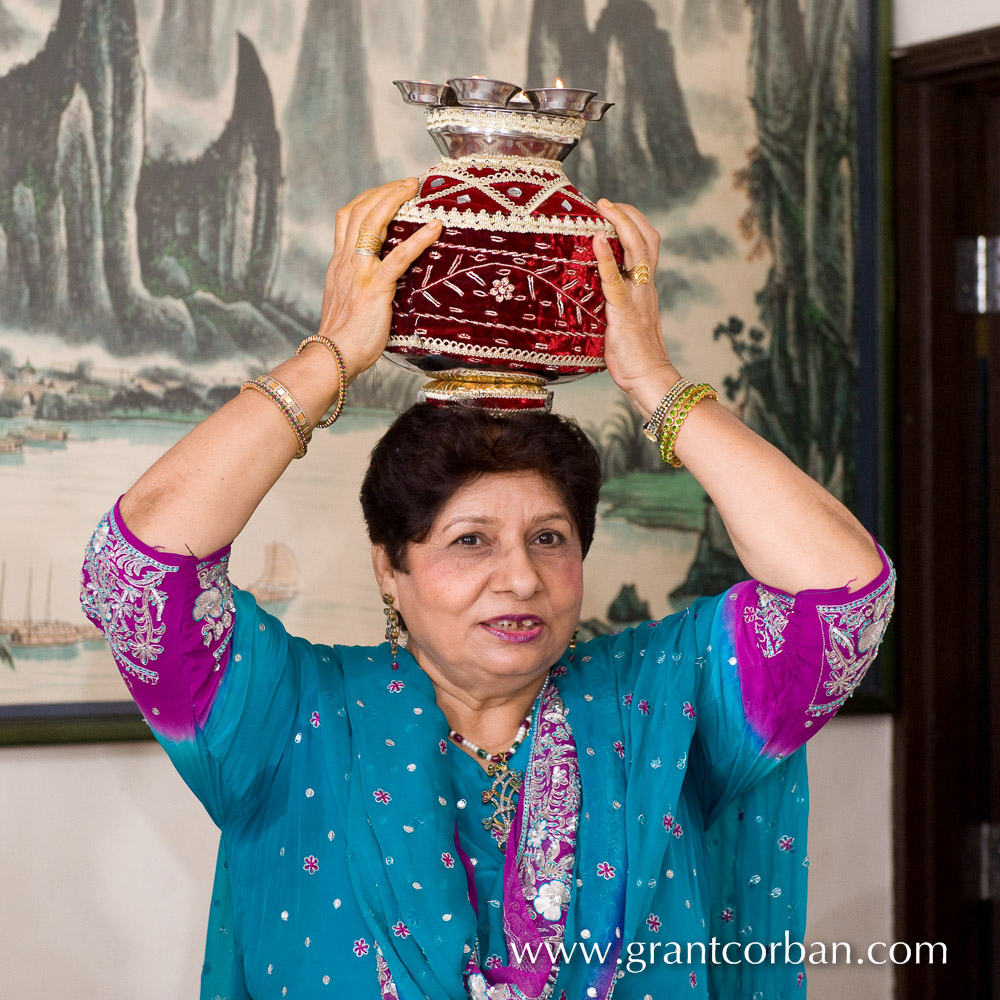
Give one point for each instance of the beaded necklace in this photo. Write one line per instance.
(502, 794)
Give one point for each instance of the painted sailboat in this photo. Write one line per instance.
(278, 586)
(34, 633)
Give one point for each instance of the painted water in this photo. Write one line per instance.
(52, 497)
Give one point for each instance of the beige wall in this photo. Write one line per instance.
(917, 21)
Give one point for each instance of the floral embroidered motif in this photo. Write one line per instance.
(693, 980)
(214, 605)
(310, 864)
(394, 687)
(668, 822)
(382, 796)
(653, 922)
(552, 897)
(502, 289)
(314, 720)
(770, 618)
(447, 860)
(627, 700)
(605, 870)
(361, 947)
(688, 709)
(619, 748)
(493, 962)
(644, 707)
(122, 593)
(786, 843)
(400, 929)
(443, 746)
(851, 637)
(727, 915)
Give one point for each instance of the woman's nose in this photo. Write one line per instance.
(515, 573)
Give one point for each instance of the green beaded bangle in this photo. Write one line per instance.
(677, 415)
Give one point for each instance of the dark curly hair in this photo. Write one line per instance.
(430, 451)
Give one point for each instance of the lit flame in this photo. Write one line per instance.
(477, 76)
(559, 83)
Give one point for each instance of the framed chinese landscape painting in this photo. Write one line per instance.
(169, 172)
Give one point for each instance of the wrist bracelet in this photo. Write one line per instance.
(651, 428)
(286, 402)
(338, 406)
(676, 416)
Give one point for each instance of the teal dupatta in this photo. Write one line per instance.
(687, 831)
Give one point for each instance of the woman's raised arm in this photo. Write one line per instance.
(200, 494)
(788, 531)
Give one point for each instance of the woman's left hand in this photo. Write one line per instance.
(633, 341)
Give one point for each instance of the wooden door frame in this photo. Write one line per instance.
(939, 732)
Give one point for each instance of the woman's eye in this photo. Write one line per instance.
(549, 538)
(467, 540)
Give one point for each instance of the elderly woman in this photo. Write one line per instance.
(642, 789)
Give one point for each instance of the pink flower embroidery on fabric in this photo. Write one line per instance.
(605, 870)
(619, 748)
(395, 686)
(739, 815)
(494, 962)
(559, 671)
(361, 947)
(382, 796)
(314, 720)
(727, 914)
(678, 832)
(443, 746)
(644, 707)
(400, 929)
(653, 922)
(627, 700)
(693, 980)
(801, 978)
(786, 843)
(447, 860)
(688, 710)
(668, 822)
(310, 864)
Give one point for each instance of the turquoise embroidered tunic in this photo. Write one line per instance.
(339, 796)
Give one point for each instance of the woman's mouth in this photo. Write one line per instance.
(514, 628)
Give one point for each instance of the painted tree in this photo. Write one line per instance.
(797, 383)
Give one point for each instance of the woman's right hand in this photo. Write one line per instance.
(359, 289)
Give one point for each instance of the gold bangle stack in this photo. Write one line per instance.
(677, 414)
(338, 406)
(287, 403)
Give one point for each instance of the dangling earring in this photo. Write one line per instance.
(391, 626)
(572, 642)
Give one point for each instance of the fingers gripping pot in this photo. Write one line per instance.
(508, 300)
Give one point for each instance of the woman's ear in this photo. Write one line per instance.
(385, 575)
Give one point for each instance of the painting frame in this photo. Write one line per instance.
(107, 721)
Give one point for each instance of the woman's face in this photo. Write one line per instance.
(491, 598)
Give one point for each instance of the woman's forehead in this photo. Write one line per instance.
(502, 495)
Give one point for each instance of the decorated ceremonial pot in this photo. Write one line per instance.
(508, 300)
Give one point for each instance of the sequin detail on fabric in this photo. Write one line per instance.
(851, 637)
(122, 593)
(770, 619)
(214, 605)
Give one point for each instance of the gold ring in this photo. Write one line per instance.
(638, 275)
(368, 245)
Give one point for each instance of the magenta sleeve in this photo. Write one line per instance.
(801, 656)
(168, 620)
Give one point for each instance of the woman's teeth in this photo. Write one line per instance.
(511, 626)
